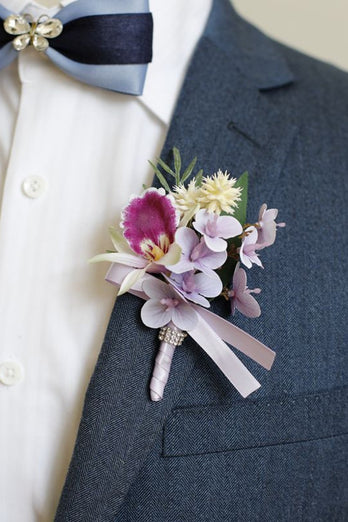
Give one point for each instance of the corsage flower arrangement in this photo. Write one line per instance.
(178, 248)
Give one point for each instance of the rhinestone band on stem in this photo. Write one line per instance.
(171, 336)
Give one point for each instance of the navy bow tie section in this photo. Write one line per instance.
(106, 43)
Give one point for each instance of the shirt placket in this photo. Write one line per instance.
(24, 203)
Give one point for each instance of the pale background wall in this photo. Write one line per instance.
(316, 27)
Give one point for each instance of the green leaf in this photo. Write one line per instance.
(188, 171)
(241, 211)
(199, 178)
(226, 272)
(160, 176)
(177, 164)
(166, 167)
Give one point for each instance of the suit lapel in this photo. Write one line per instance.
(224, 117)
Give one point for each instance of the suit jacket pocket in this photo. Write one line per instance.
(255, 423)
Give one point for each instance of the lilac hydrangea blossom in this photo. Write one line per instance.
(240, 295)
(247, 251)
(267, 226)
(196, 287)
(166, 305)
(195, 254)
(215, 229)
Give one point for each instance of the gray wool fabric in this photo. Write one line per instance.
(203, 453)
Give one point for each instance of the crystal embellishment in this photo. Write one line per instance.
(32, 32)
(172, 336)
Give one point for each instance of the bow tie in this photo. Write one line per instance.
(105, 43)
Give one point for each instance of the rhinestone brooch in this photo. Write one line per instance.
(32, 32)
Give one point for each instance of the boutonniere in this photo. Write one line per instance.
(180, 247)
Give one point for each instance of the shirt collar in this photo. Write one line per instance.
(178, 24)
(18, 6)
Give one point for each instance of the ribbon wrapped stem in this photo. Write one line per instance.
(171, 337)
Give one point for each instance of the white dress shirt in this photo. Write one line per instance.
(70, 157)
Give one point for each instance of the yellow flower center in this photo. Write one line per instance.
(154, 252)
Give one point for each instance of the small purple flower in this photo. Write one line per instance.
(195, 254)
(149, 224)
(166, 305)
(247, 252)
(196, 287)
(240, 295)
(267, 226)
(216, 229)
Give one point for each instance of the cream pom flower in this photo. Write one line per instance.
(186, 198)
(218, 193)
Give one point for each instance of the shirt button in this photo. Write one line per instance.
(34, 186)
(11, 373)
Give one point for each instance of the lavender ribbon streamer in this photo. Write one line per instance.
(210, 333)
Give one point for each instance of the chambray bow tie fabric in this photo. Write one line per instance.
(105, 43)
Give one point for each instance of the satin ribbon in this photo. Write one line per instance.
(106, 43)
(210, 333)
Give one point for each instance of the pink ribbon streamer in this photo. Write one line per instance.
(210, 333)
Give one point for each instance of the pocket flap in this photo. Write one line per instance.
(255, 423)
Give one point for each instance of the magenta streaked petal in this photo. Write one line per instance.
(149, 218)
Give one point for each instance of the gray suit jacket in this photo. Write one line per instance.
(204, 453)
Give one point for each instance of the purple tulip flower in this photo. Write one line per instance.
(196, 287)
(216, 229)
(195, 254)
(240, 295)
